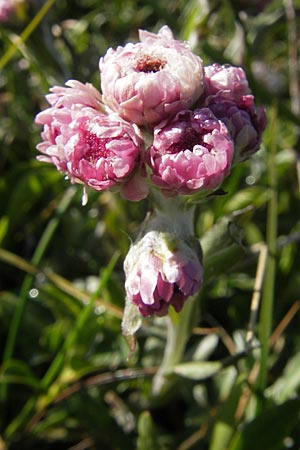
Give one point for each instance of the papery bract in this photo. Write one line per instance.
(191, 152)
(161, 271)
(150, 80)
(96, 149)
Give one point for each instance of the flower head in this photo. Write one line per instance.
(227, 94)
(91, 147)
(9, 9)
(245, 123)
(229, 82)
(191, 152)
(150, 80)
(161, 271)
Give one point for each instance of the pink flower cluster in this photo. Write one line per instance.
(201, 118)
(202, 121)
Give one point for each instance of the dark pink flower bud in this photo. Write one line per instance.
(227, 94)
(93, 148)
(245, 123)
(191, 152)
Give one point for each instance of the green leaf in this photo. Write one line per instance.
(199, 370)
(206, 347)
(286, 386)
(14, 371)
(147, 434)
(4, 225)
(267, 430)
(225, 422)
(254, 195)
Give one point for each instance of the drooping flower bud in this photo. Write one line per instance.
(93, 148)
(150, 80)
(164, 266)
(190, 153)
(161, 271)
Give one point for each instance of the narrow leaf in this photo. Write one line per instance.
(267, 430)
(199, 370)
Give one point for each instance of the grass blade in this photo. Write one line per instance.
(26, 33)
(266, 313)
(38, 254)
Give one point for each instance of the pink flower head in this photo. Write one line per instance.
(229, 82)
(65, 103)
(91, 147)
(245, 123)
(228, 96)
(150, 80)
(161, 270)
(191, 152)
(7, 8)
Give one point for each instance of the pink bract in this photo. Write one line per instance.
(91, 147)
(161, 271)
(190, 153)
(150, 80)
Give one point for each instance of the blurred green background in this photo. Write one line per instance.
(65, 378)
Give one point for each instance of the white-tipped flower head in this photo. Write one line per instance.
(190, 153)
(97, 149)
(150, 80)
